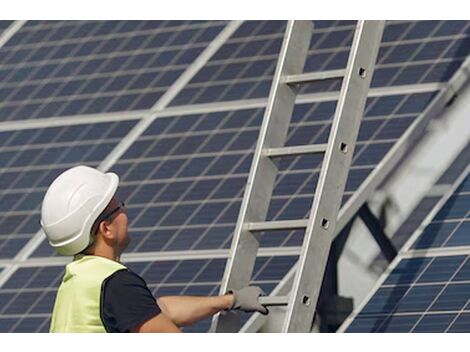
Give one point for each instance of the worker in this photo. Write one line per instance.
(81, 216)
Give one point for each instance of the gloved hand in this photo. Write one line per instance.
(246, 300)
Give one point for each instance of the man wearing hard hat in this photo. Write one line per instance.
(82, 217)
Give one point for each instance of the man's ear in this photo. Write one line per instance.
(105, 230)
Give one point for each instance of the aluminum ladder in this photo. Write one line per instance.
(319, 227)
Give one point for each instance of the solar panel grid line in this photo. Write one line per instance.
(157, 256)
(29, 248)
(204, 108)
(10, 32)
(401, 253)
(71, 120)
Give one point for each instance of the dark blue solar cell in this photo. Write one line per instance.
(244, 141)
(180, 214)
(395, 128)
(208, 213)
(412, 74)
(30, 325)
(223, 164)
(422, 29)
(231, 188)
(442, 72)
(200, 190)
(185, 239)
(401, 53)
(210, 121)
(275, 268)
(8, 201)
(454, 297)
(215, 238)
(186, 270)
(434, 323)
(138, 149)
(432, 50)
(242, 118)
(456, 207)
(141, 171)
(383, 76)
(441, 269)
(416, 103)
(145, 194)
(451, 27)
(372, 154)
(11, 246)
(195, 166)
(151, 216)
(168, 169)
(384, 300)
(365, 324)
(31, 201)
(173, 191)
(418, 298)
(10, 224)
(6, 324)
(21, 303)
(217, 142)
(188, 145)
(230, 213)
(434, 235)
(461, 236)
(461, 324)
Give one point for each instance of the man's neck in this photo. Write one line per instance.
(107, 252)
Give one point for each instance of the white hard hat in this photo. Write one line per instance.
(72, 204)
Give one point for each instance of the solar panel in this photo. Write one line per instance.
(426, 293)
(74, 67)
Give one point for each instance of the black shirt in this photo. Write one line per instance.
(126, 302)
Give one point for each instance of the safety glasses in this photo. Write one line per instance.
(105, 216)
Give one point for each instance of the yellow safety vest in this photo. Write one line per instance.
(77, 304)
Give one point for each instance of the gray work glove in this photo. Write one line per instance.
(247, 300)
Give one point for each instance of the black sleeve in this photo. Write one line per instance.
(126, 302)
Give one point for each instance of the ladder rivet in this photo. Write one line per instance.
(325, 223)
(362, 72)
(306, 300)
(343, 147)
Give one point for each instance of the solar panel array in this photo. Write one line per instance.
(427, 291)
(183, 177)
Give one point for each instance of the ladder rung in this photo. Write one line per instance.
(296, 150)
(274, 301)
(314, 76)
(277, 225)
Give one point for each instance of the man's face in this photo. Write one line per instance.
(118, 224)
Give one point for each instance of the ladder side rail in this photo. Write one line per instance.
(260, 184)
(333, 176)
